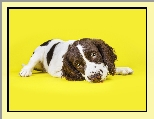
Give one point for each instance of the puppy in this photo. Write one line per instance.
(76, 60)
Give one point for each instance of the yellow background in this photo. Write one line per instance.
(105, 85)
(125, 30)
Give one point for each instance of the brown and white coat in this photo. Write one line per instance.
(85, 59)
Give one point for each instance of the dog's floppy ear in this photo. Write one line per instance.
(69, 71)
(107, 53)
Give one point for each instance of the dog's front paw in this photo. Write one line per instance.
(25, 72)
(124, 70)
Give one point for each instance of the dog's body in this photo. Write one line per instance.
(84, 59)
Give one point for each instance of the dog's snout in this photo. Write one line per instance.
(96, 78)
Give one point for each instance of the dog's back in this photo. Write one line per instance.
(51, 56)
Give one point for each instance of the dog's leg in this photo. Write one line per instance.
(123, 70)
(34, 60)
(39, 67)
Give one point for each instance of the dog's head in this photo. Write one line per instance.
(89, 59)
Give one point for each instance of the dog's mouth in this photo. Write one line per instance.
(97, 81)
(96, 78)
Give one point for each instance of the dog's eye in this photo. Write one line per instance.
(77, 64)
(93, 54)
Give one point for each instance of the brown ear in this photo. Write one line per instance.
(107, 53)
(69, 71)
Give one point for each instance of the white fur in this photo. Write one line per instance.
(40, 55)
(37, 56)
(123, 70)
(56, 63)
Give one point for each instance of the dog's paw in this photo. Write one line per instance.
(124, 71)
(25, 72)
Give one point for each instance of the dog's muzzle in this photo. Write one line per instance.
(96, 78)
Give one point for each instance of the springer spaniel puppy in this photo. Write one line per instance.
(76, 60)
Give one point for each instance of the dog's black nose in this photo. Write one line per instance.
(96, 78)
